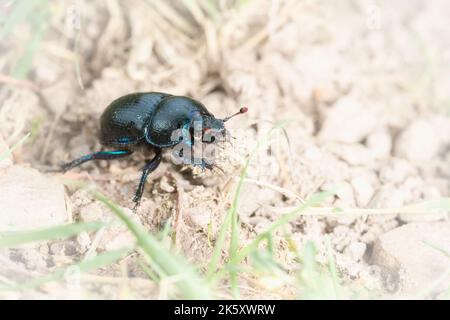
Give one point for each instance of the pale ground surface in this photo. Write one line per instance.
(365, 85)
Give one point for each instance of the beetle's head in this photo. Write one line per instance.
(214, 129)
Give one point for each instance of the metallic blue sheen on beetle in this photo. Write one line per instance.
(148, 119)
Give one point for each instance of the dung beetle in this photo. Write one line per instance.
(148, 120)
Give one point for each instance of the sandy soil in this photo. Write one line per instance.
(363, 84)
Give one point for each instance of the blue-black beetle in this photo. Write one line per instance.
(148, 119)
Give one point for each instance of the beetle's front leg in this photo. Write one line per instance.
(148, 168)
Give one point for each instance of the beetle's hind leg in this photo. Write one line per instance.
(102, 155)
(148, 168)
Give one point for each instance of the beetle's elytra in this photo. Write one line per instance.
(148, 119)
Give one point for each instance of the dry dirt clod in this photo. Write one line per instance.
(356, 250)
(364, 183)
(379, 143)
(31, 258)
(348, 122)
(353, 154)
(36, 200)
(429, 193)
(345, 195)
(389, 196)
(94, 211)
(396, 171)
(114, 239)
(165, 185)
(423, 217)
(406, 255)
(418, 142)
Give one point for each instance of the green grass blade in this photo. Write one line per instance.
(235, 227)
(21, 10)
(314, 200)
(309, 278)
(8, 152)
(220, 243)
(240, 4)
(333, 270)
(77, 61)
(211, 8)
(232, 218)
(40, 26)
(148, 271)
(438, 204)
(438, 248)
(101, 260)
(431, 288)
(59, 232)
(190, 285)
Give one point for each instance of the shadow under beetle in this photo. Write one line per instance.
(148, 120)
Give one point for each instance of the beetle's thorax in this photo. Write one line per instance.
(211, 123)
(173, 114)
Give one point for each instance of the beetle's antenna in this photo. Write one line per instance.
(241, 111)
